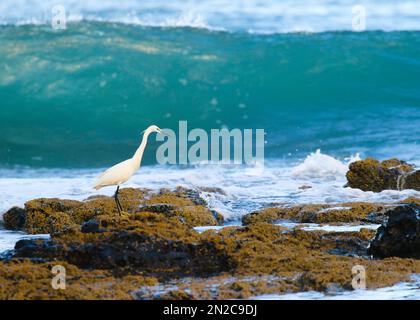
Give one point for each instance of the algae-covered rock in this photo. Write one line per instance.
(411, 200)
(49, 215)
(373, 175)
(325, 259)
(223, 286)
(144, 242)
(399, 164)
(192, 215)
(183, 203)
(157, 239)
(400, 235)
(411, 181)
(55, 215)
(14, 218)
(27, 280)
(176, 295)
(246, 261)
(320, 213)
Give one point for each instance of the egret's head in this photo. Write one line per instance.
(153, 128)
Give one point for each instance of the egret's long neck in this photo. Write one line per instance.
(139, 152)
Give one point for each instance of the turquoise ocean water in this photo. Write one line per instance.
(75, 101)
(80, 97)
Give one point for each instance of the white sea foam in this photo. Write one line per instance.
(201, 229)
(334, 209)
(318, 165)
(302, 226)
(255, 16)
(327, 227)
(245, 189)
(8, 238)
(400, 291)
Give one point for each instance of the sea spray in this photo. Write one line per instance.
(244, 188)
(219, 147)
(318, 165)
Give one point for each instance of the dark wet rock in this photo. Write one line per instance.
(373, 175)
(400, 235)
(136, 252)
(141, 242)
(375, 218)
(194, 195)
(213, 190)
(158, 208)
(14, 218)
(304, 187)
(91, 226)
(38, 249)
(345, 245)
(218, 216)
(132, 246)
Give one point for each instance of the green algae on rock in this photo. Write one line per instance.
(169, 250)
(320, 213)
(27, 280)
(56, 215)
(142, 243)
(373, 175)
(156, 246)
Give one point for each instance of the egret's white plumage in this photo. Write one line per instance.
(116, 175)
(123, 171)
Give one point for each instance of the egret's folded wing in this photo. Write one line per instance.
(117, 174)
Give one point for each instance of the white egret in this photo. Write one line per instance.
(123, 171)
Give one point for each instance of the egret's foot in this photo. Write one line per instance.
(124, 214)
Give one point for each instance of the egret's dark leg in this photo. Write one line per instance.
(117, 201)
(119, 204)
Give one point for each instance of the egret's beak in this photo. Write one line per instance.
(160, 131)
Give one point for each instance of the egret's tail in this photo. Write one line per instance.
(96, 187)
(98, 182)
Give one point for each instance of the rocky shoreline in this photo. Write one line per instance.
(392, 174)
(155, 253)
